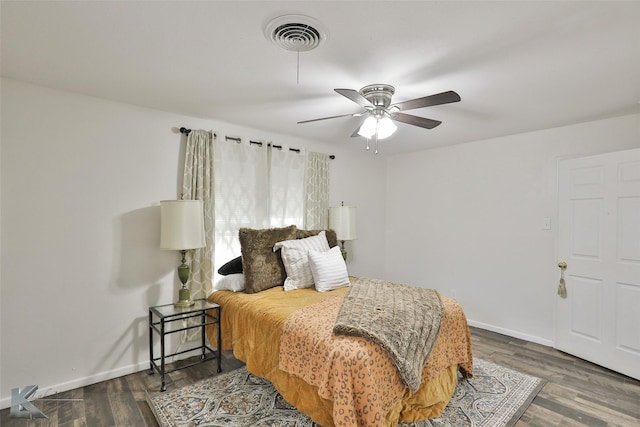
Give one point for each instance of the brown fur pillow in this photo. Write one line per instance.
(331, 235)
(263, 268)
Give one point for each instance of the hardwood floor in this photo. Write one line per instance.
(578, 393)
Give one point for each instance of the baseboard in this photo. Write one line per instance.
(510, 333)
(49, 390)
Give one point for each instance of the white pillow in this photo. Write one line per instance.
(329, 269)
(295, 256)
(230, 282)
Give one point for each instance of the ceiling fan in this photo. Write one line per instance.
(380, 113)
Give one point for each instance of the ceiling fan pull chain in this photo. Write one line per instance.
(376, 142)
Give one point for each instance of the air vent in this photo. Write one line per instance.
(295, 32)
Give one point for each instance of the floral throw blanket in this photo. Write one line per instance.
(404, 320)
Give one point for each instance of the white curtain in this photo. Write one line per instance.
(260, 187)
(241, 191)
(286, 188)
(197, 184)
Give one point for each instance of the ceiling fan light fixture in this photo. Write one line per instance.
(369, 127)
(386, 128)
(381, 128)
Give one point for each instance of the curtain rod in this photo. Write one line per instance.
(186, 131)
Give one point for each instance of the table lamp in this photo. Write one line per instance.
(342, 219)
(182, 229)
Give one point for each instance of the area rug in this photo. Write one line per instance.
(495, 397)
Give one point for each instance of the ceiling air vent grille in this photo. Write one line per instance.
(295, 32)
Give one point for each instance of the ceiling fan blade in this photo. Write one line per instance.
(355, 96)
(415, 120)
(427, 101)
(331, 117)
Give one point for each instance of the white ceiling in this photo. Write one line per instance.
(518, 66)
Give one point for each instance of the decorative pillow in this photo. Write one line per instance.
(232, 267)
(230, 282)
(295, 255)
(262, 267)
(329, 269)
(332, 239)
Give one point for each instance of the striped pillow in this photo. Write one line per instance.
(329, 269)
(295, 256)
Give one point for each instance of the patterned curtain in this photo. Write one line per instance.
(316, 188)
(197, 184)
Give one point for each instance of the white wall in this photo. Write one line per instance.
(81, 183)
(469, 219)
(362, 184)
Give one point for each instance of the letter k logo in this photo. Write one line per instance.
(21, 407)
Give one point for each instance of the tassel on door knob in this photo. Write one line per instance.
(562, 287)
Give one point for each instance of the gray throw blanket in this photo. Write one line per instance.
(404, 320)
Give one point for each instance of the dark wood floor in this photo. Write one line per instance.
(577, 393)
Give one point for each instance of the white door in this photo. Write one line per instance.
(599, 239)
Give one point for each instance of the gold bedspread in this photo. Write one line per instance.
(252, 326)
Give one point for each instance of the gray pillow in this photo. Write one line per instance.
(262, 267)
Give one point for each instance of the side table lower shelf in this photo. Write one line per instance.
(165, 315)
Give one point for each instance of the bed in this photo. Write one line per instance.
(287, 337)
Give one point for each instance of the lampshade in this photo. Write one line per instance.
(368, 128)
(386, 128)
(342, 219)
(181, 224)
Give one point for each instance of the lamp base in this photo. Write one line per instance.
(184, 299)
(183, 304)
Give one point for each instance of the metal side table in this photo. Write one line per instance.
(168, 319)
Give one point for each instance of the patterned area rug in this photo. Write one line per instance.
(495, 397)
